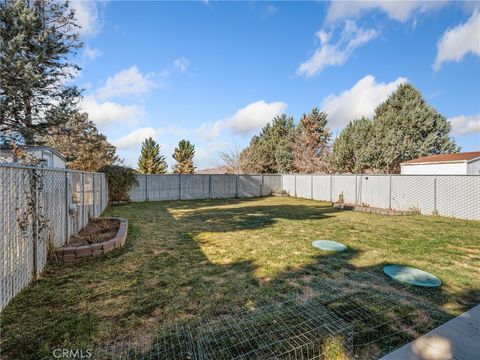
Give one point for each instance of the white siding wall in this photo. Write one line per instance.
(459, 168)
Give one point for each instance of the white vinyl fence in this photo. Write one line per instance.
(41, 208)
(455, 196)
(203, 186)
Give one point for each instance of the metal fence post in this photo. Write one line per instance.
(311, 186)
(94, 193)
(83, 200)
(209, 186)
(36, 226)
(179, 186)
(295, 182)
(390, 192)
(261, 188)
(67, 225)
(236, 185)
(331, 187)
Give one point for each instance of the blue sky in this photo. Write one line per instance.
(216, 72)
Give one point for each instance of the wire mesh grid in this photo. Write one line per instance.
(382, 314)
(287, 330)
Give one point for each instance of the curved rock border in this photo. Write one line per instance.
(72, 253)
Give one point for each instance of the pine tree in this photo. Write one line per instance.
(38, 39)
(311, 146)
(271, 150)
(183, 156)
(84, 147)
(151, 161)
(352, 151)
(406, 127)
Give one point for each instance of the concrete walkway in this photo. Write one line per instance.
(457, 339)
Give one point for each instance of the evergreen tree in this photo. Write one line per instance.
(84, 147)
(271, 150)
(151, 161)
(406, 127)
(352, 151)
(183, 156)
(38, 38)
(311, 146)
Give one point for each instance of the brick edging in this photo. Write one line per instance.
(72, 253)
(374, 210)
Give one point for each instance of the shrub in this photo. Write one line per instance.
(120, 180)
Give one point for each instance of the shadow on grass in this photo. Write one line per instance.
(162, 275)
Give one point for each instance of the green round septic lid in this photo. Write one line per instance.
(412, 276)
(329, 245)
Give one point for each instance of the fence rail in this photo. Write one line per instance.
(455, 196)
(203, 186)
(41, 208)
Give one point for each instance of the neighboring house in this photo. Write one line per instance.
(467, 163)
(49, 157)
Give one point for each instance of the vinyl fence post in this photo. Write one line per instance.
(390, 192)
(67, 225)
(435, 194)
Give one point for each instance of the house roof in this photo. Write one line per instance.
(442, 158)
(31, 147)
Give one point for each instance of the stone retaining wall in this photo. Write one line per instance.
(72, 253)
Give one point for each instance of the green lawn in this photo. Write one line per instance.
(192, 260)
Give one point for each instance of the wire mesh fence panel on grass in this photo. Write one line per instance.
(288, 330)
(174, 342)
(383, 315)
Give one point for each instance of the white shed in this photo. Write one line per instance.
(466, 163)
(49, 156)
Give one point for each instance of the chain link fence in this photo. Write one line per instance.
(203, 186)
(455, 196)
(40, 209)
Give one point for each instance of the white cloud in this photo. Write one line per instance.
(459, 41)
(87, 16)
(126, 83)
(398, 10)
(181, 64)
(91, 53)
(333, 54)
(360, 100)
(108, 113)
(249, 118)
(254, 116)
(135, 138)
(271, 10)
(465, 124)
